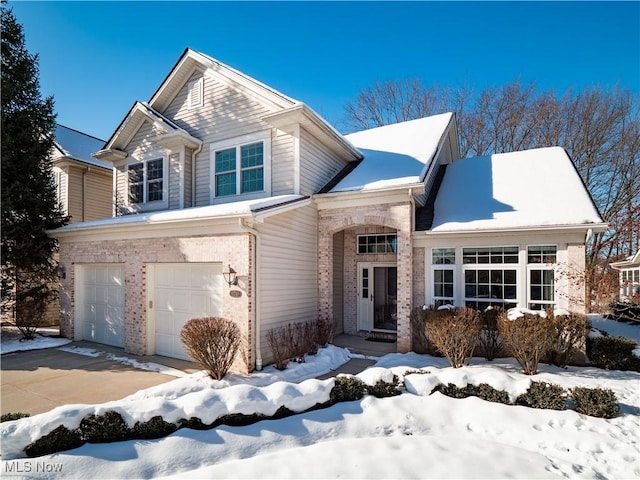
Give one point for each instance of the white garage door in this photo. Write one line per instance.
(100, 303)
(180, 292)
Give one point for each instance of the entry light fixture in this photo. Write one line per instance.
(230, 276)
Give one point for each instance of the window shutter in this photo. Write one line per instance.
(195, 93)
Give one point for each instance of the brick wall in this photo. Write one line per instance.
(135, 255)
(395, 217)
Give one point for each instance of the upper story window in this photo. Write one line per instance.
(378, 243)
(146, 181)
(195, 93)
(239, 170)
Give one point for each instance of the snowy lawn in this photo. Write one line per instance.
(413, 435)
(45, 338)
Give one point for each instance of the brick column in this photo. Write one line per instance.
(325, 275)
(405, 279)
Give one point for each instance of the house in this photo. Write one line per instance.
(84, 184)
(219, 173)
(629, 269)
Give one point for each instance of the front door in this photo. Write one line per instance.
(377, 296)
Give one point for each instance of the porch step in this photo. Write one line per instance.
(362, 346)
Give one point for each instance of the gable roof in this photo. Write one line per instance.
(284, 109)
(75, 145)
(401, 152)
(532, 188)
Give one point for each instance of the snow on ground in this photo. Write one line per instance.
(11, 340)
(413, 435)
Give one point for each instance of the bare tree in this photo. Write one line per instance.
(600, 129)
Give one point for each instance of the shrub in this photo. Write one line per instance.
(454, 332)
(384, 389)
(58, 440)
(484, 391)
(490, 341)
(543, 395)
(453, 391)
(490, 394)
(596, 402)
(347, 389)
(528, 339)
(419, 330)
(155, 427)
(8, 417)
(194, 423)
(105, 428)
(280, 347)
(324, 332)
(213, 343)
(569, 334)
(613, 353)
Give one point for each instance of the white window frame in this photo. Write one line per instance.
(145, 182)
(491, 267)
(195, 89)
(542, 267)
(438, 300)
(237, 143)
(385, 243)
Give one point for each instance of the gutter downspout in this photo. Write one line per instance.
(193, 173)
(256, 285)
(84, 193)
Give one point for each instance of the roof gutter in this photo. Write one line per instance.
(591, 227)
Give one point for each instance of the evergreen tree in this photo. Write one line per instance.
(29, 203)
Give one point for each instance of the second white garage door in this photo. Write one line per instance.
(177, 293)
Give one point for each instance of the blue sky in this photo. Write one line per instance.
(97, 58)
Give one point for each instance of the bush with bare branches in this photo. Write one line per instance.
(528, 338)
(454, 332)
(296, 340)
(490, 341)
(213, 343)
(569, 336)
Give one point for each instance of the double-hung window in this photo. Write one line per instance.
(239, 170)
(443, 262)
(490, 277)
(146, 181)
(540, 266)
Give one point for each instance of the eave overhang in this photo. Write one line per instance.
(301, 114)
(544, 229)
(360, 198)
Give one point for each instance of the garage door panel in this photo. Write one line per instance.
(182, 292)
(100, 308)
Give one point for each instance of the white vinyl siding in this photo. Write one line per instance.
(282, 167)
(175, 170)
(225, 113)
(288, 271)
(97, 197)
(317, 165)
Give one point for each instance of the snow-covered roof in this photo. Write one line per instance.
(630, 262)
(78, 145)
(395, 151)
(224, 210)
(539, 187)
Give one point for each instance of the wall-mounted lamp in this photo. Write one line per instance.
(230, 276)
(61, 272)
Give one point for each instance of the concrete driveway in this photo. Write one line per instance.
(36, 381)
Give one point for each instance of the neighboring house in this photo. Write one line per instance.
(629, 269)
(219, 172)
(84, 184)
